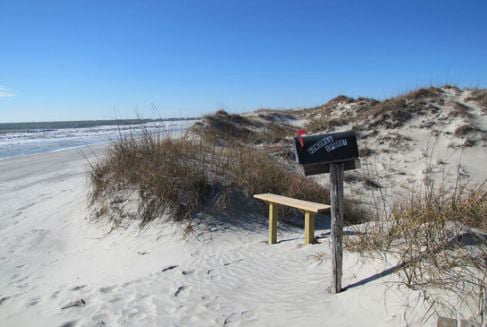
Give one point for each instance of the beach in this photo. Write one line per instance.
(65, 262)
(54, 256)
(243, 163)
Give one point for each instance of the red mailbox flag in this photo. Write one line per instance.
(301, 132)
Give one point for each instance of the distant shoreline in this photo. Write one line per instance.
(24, 139)
(53, 125)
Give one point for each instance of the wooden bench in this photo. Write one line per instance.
(309, 208)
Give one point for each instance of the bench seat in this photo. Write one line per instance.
(309, 208)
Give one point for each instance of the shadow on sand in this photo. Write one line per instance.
(376, 276)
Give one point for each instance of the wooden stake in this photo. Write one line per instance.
(272, 223)
(309, 227)
(336, 199)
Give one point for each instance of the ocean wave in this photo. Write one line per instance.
(18, 142)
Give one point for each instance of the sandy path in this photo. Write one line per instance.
(48, 248)
(52, 256)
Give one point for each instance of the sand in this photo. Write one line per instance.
(58, 267)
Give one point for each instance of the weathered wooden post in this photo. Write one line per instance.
(272, 223)
(309, 227)
(330, 153)
(336, 199)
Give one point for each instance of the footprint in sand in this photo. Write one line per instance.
(3, 299)
(71, 323)
(115, 299)
(107, 289)
(169, 268)
(230, 319)
(211, 304)
(232, 262)
(130, 282)
(54, 295)
(179, 290)
(77, 288)
(77, 303)
(34, 301)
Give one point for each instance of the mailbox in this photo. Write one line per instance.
(317, 152)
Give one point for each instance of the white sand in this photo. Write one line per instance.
(51, 255)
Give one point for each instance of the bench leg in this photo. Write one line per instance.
(272, 223)
(309, 227)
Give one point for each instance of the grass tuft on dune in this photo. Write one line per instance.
(439, 238)
(222, 128)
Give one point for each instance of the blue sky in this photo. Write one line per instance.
(68, 60)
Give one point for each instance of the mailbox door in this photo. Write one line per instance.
(327, 148)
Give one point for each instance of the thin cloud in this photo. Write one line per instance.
(4, 92)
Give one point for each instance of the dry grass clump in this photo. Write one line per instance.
(422, 93)
(440, 240)
(396, 111)
(370, 114)
(479, 96)
(460, 110)
(325, 124)
(318, 125)
(222, 128)
(169, 175)
(273, 116)
(465, 130)
(366, 152)
(255, 171)
(181, 177)
(322, 122)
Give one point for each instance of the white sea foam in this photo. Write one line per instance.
(32, 141)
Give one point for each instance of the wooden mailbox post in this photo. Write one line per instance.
(330, 153)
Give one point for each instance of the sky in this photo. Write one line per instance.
(75, 60)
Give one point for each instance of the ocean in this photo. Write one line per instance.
(23, 139)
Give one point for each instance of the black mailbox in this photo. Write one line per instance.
(317, 152)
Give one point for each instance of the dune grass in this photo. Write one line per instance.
(439, 238)
(222, 128)
(390, 113)
(180, 177)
